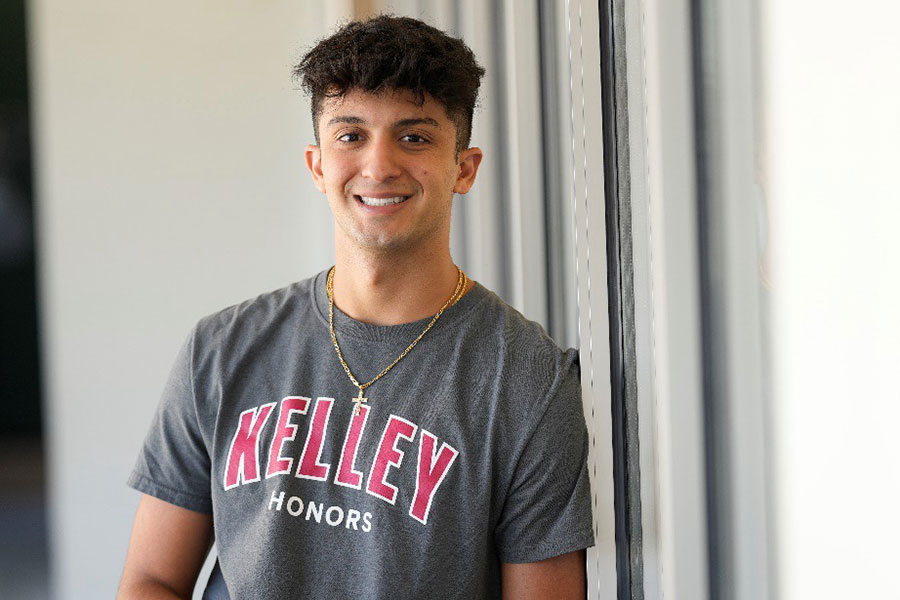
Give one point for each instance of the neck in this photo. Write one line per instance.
(393, 290)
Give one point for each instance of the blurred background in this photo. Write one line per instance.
(23, 552)
(700, 195)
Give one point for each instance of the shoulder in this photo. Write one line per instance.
(254, 318)
(518, 351)
(500, 328)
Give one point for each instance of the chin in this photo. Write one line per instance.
(386, 244)
(385, 241)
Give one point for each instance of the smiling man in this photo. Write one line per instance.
(388, 428)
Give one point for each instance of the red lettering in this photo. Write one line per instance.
(243, 456)
(310, 466)
(429, 474)
(388, 455)
(285, 431)
(346, 475)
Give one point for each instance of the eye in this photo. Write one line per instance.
(349, 137)
(414, 138)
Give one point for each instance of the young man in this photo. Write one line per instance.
(388, 428)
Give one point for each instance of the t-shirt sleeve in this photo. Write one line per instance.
(174, 464)
(547, 511)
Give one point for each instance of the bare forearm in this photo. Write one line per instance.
(148, 590)
(558, 578)
(167, 549)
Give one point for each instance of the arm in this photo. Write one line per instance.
(167, 549)
(558, 578)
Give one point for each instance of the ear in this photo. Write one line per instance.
(314, 164)
(468, 161)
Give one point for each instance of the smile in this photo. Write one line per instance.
(381, 201)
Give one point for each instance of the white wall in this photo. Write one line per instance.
(831, 74)
(169, 142)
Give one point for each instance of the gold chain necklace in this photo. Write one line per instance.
(461, 284)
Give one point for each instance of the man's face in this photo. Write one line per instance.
(389, 169)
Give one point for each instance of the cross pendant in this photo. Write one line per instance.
(359, 400)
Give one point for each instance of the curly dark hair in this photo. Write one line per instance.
(388, 52)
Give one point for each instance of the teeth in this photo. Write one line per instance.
(381, 201)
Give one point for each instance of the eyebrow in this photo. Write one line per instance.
(421, 121)
(401, 123)
(350, 120)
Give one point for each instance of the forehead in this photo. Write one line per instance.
(387, 107)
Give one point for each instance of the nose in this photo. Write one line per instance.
(380, 162)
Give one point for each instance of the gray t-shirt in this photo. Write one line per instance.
(470, 452)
